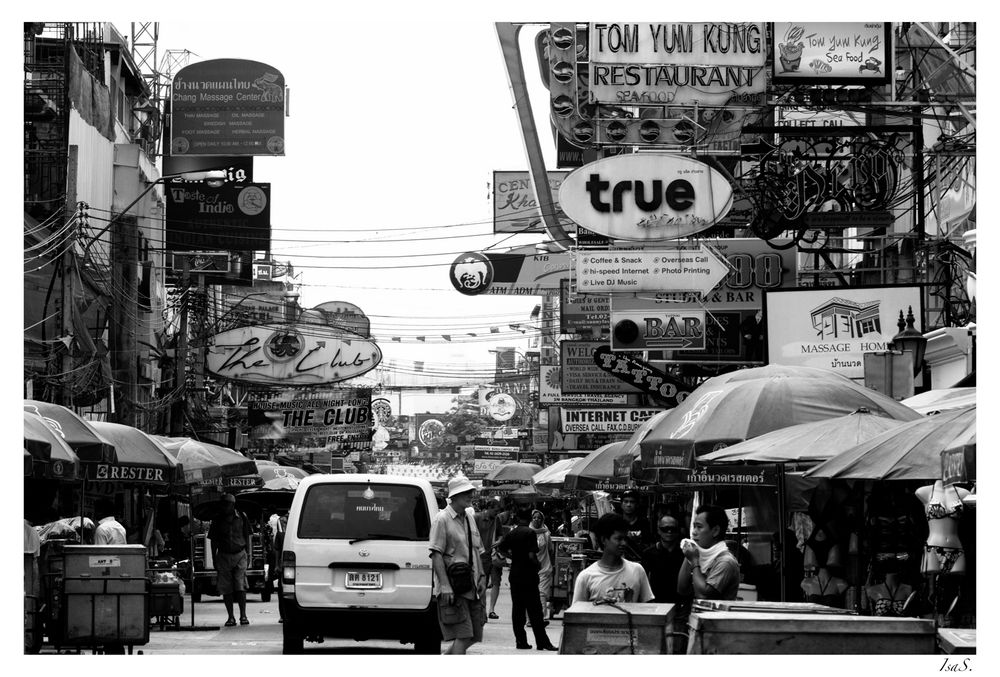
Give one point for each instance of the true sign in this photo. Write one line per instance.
(646, 196)
(287, 354)
(676, 270)
(660, 329)
(641, 375)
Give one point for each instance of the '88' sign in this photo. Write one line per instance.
(763, 270)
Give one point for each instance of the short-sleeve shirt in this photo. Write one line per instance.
(627, 583)
(520, 543)
(724, 575)
(109, 532)
(638, 537)
(662, 567)
(230, 535)
(450, 538)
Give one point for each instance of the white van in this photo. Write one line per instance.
(356, 561)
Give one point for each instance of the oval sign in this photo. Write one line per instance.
(646, 196)
(299, 354)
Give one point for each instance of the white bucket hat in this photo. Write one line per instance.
(459, 484)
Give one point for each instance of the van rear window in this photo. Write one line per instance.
(343, 511)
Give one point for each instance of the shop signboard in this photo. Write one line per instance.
(344, 315)
(232, 217)
(832, 53)
(832, 328)
(585, 314)
(646, 197)
(340, 414)
(290, 354)
(550, 391)
(954, 467)
(257, 307)
(515, 209)
(660, 329)
(630, 368)
(720, 476)
(228, 107)
(696, 271)
(518, 272)
(604, 419)
(677, 64)
(580, 374)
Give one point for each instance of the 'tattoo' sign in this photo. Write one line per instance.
(646, 196)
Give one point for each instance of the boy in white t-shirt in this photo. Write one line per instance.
(612, 578)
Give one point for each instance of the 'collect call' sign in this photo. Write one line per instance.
(228, 107)
(711, 64)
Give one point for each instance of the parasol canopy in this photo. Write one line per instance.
(58, 460)
(815, 442)
(942, 399)
(280, 483)
(209, 464)
(554, 476)
(88, 444)
(720, 413)
(911, 451)
(512, 473)
(777, 370)
(140, 459)
(596, 470)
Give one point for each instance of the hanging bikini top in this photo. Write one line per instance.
(826, 598)
(936, 511)
(890, 606)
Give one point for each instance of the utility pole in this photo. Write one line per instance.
(67, 291)
(180, 356)
(124, 309)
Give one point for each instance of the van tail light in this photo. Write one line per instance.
(288, 569)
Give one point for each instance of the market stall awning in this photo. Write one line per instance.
(813, 442)
(141, 459)
(942, 399)
(911, 451)
(207, 464)
(88, 444)
(511, 473)
(554, 476)
(603, 468)
(721, 413)
(59, 461)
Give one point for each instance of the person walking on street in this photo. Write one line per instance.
(709, 570)
(521, 545)
(544, 537)
(455, 539)
(109, 531)
(490, 523)
(230, 536)
(612, 579)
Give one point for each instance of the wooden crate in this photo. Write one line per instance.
(601, 629)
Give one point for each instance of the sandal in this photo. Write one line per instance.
(231, 622)
(244, 621)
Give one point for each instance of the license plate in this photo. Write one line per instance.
(368, 580)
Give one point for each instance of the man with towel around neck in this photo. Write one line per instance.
(709, 570)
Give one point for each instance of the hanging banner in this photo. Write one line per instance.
(228, 107)
(343, 414)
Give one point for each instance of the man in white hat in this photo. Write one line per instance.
(462, 615)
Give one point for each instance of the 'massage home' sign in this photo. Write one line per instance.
(286, 354)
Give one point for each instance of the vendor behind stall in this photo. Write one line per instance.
(612, 578)
(709, 571)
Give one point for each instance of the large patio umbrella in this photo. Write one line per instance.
(206, 463)
(597, 469)
(719, 414)
(141, 459)
(911, 451)
(814, 442)
(280, 483)
(54, 458)
(511, 473)
(79, 434)
(776, 370)
(942, 399)
(554, 476)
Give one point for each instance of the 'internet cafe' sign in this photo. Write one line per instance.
(711, 64)
(228, 107)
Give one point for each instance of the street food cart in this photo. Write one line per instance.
(627, 628)
(568, 560)
(97, 596)
(769, 632)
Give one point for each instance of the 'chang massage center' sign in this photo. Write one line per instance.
(711, 64)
